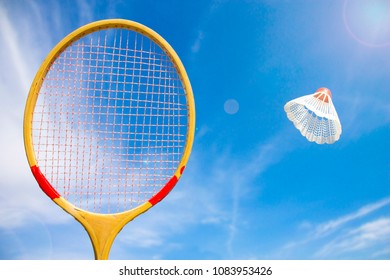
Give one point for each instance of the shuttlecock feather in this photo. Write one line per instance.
(315, 116)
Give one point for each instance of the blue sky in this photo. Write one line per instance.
(254, 188)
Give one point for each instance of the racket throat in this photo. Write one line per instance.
(102, 231)
(102, 228)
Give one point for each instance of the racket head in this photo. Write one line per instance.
(165, 121)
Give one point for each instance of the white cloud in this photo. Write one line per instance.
(142, 238)
(20, 194)
(12, 55)
(385, 251)
(366, 236)
(197, 43)
(330, 226)
(356, 231)
(362, 112)
(86, 14)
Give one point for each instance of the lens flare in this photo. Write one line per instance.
(368, 21)
(231, 106)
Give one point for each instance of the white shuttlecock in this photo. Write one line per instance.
(315, 116)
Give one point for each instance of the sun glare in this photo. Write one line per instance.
(368, 21)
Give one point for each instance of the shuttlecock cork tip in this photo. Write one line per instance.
(323, 94)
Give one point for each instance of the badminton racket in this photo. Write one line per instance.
(109, 125)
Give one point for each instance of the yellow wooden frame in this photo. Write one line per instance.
(103, 228)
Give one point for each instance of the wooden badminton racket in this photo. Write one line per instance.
(109, 125)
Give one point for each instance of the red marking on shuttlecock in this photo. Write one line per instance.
(323, 94)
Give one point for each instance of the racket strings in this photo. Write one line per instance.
(110, 123)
